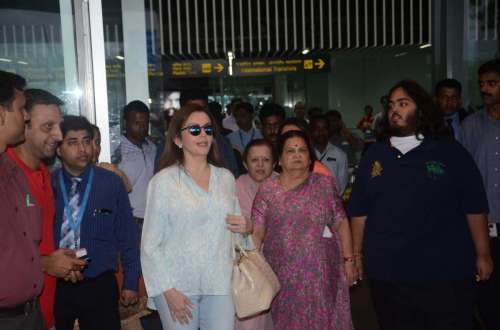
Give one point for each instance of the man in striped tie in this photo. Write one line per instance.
(70, 239)
(93, 213)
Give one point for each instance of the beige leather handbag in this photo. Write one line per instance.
(254, 283)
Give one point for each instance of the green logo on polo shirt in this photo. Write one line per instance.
(28, 201)
(435, 169)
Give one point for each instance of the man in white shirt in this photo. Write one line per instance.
(136, 155)
(230, 121)
(244, 114)
(329, 155)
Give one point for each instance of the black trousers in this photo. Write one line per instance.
(31, 320)
(489, 292)
(444, 306)
(94, 302)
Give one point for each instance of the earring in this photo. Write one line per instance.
(180, 146)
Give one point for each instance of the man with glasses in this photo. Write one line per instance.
(480, 135)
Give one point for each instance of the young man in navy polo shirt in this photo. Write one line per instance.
(418, 212)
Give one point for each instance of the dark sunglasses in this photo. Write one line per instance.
(195, 130)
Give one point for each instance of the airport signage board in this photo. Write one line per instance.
(198, 68)
(257, 67)
(247, 67)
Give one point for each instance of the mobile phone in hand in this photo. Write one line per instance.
(82, 254)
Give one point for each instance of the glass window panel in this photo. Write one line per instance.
(37, 41)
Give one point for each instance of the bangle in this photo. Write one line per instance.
(349, 259)
(358, 256)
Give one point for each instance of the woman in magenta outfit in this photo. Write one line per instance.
(307, 241)
(259, 161)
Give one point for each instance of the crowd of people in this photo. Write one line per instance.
(417, 218)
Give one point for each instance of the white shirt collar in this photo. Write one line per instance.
(406, 143)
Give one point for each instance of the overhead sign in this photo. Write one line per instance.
(247, 67)
(199, 68)
(285, 65)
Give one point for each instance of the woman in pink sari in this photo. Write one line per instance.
(315, 266)
(259, 161)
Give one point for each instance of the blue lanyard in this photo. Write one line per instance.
(75, 223)
(324, 154)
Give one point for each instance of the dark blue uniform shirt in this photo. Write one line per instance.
(416, 205)
(107, 227)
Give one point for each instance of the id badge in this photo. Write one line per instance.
(493, 229)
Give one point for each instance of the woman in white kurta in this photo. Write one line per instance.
(186, 241)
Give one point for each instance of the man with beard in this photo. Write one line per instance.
(481, 136)
(418, 214)
(449, 100)
(42, 135)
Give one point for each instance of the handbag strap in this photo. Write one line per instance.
(233, 247)
(236, 245)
